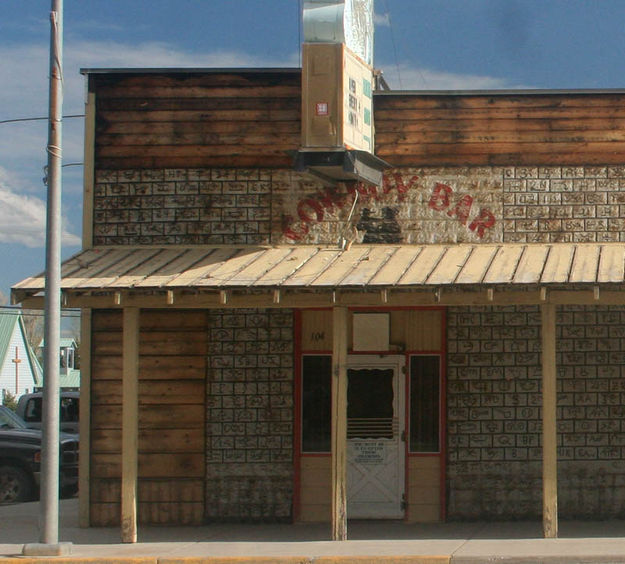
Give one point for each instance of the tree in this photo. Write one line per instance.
(9, 400)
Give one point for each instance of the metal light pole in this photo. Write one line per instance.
(52, 324)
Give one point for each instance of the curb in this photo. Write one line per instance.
(228, 560)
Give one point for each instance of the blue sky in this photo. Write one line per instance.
(419, 44)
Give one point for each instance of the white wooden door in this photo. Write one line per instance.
(375, 426)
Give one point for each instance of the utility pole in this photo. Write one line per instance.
(49, 504)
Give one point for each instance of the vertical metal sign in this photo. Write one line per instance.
(52, 329)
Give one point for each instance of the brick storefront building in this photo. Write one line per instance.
(221, 288)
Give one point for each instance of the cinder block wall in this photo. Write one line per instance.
(494, 412)
(250, 416)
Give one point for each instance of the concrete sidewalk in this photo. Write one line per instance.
(370, 542)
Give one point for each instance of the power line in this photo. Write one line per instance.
(38, 118)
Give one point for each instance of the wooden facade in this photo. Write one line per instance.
(506, 129)
(211, 269)
(172, 380)
(197, 119)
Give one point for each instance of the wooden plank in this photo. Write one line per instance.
(145, 269)
(206, 127)
(130, 425)
(504, 264)
(178, 391)
(550, 445)
(366, 270)
(585, 264)
(149, 105)
(116, 269)
(310, 270)
(175, 490)
(186, 161)
(159, 367)
(165, 465)
(339, 269)
(531, 265)
(105, 514)
(229, 269)
(185, 260)
(475, 127)
(419, 271)
(288, 267)
(173, 320)
(558, 264)
(450, 265)
(176, 513)
(255, 270)
(151, 440)
(182, 90)
(520, 156)
(106, 320)
(434, 135)
(424, 330)
(477, 264)
(224, 114)
(340, 319)
(396, 266)
(202, 269)
(508, 100)
(84, 418)
(611, 264)
(195, 150)
(177, 138)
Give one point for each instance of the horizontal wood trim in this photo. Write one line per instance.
(106, 320)
(517, 158)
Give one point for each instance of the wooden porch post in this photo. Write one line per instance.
(550, 448)
(130, 424)
(339, 423)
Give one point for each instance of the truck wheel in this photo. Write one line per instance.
(15, 485)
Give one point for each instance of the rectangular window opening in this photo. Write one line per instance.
(425, 383)
(316, 403)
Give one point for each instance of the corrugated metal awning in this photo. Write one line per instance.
(370, 267)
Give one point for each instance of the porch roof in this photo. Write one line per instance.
(455, 268)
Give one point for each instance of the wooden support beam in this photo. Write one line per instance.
(550, 448)
(130, 424)
(84, 468)
(339, 423)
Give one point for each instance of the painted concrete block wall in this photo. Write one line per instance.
(250, 415)
(414, 205)
(494, 412)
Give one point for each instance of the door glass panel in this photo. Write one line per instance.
(316, 403)
(424, 403)
(370, 404)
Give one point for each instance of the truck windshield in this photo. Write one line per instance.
(8, 419)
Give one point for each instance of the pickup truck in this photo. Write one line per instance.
(29, 408)
(20, 460)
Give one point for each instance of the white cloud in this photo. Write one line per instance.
(414, 78)
(23, 218)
